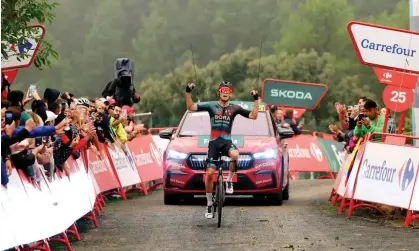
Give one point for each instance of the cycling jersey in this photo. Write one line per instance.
(222, 118)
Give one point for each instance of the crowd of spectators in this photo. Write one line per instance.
(41, 133)
(355, 121)
(358, 120)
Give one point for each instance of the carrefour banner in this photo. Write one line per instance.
(387, 174)
(306, 155)
(309, 153)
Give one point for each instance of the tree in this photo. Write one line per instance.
(15, 18)
(165, 96)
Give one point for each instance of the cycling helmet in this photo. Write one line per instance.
(83, 102)
(225, 84)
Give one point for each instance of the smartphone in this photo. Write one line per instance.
(32, 88)
(9, 118)
(124, 113)
(38, 141)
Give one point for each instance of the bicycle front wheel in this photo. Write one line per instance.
(220, 192)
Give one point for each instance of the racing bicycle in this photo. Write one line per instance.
(219, 196)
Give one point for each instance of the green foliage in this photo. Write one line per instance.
(16, 16)
(303, 40)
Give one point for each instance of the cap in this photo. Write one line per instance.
(111, 100)
(51, 116)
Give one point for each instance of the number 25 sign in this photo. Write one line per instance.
(397, 99)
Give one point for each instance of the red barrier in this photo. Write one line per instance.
(103, 172)
(305, 155)
(147, 159)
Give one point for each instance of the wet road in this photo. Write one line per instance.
(145, 223)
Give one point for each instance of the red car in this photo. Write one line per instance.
(262, 165)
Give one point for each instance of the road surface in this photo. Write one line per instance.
(145, 223)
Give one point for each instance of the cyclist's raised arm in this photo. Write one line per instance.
(254, 113)
(190, 105)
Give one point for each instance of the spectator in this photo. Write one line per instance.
(289, 119)
(279, 118)
(15, 98)
(7, 140)
(101, 122)
(122, 87)
(361, 102)
(391, 127)
(117, 124)
(5, 86)
(131, 129)
(51, 95)
(369, 121)
(347, 115)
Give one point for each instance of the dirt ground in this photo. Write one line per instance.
(305, 222)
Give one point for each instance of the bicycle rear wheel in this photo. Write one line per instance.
(220, 193)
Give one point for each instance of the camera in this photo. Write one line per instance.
(360, 117)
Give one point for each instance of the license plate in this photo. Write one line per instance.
(215, 176)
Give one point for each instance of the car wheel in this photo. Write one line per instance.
(170, 199)
(187, 198)
(286, 192)
(277, 198)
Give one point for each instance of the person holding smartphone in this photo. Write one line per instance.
(369, 121)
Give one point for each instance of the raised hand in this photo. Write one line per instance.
(189, 87)
(254, 94)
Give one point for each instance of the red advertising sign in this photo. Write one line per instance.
(397, 99)
(10, 75)
(305, 155)
(103, 173)
(147, 158)
(396, 78)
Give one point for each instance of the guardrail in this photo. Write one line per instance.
(380, 172)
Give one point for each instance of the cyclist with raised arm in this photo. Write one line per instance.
(222, 115)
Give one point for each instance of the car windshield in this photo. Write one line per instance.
(198, 124)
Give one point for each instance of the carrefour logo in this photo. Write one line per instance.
(406, 174)
(316, 152)
(393, 48)
(378, 172)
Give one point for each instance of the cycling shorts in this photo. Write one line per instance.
(217, 146)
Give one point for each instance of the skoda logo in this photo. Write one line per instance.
(156, 154)
(316, 152)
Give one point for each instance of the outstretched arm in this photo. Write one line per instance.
(254, 114)
(190, 105)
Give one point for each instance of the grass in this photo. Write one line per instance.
(368, 215)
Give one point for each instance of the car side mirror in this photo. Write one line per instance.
(167, 133)
(285, 133)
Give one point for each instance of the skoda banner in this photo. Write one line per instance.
(293, 94)
(333, 152)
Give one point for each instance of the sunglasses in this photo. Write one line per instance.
(226, 90)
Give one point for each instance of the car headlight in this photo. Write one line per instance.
(268, 154)
(172, 154)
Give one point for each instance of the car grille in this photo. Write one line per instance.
(197, 162)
